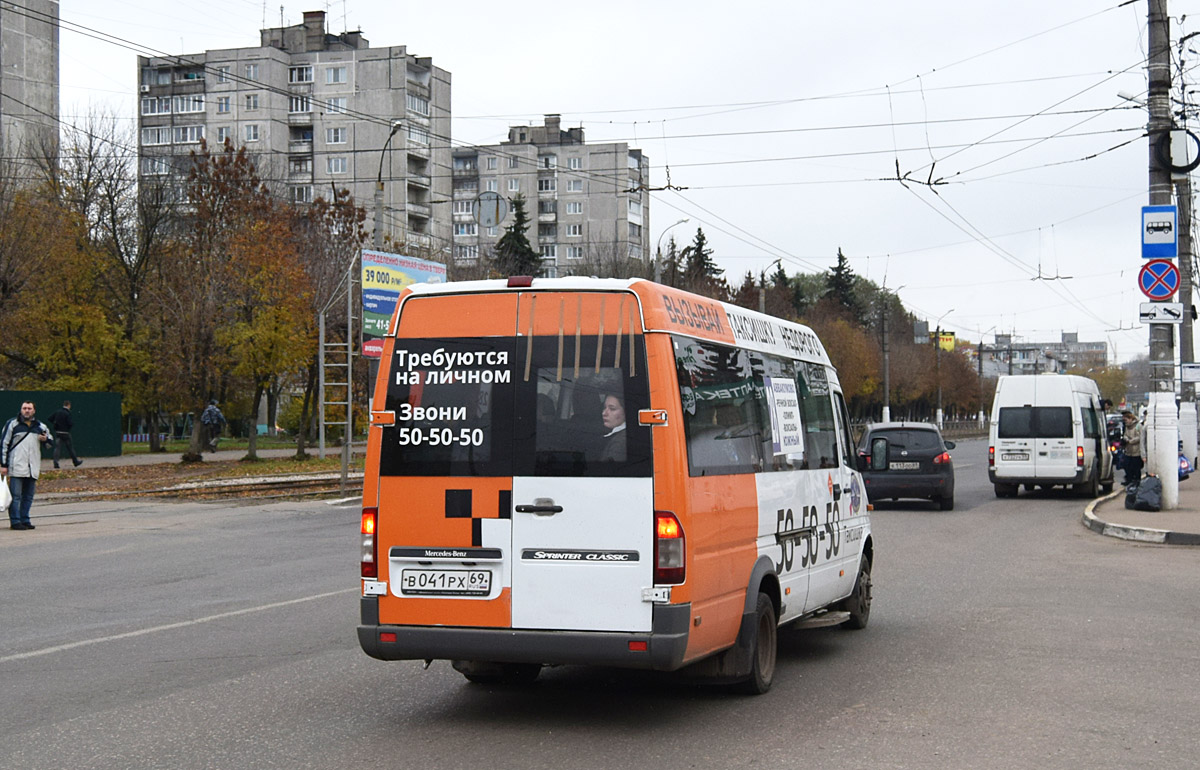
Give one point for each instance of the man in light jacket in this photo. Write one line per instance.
(1133, 448)
(21, 460)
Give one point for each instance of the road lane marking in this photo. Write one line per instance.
(171, 626)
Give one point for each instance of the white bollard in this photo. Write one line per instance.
(1187, 430)
(1160, 446)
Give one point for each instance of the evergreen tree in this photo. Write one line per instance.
(700, 273)
(514, 255)
(841, 284)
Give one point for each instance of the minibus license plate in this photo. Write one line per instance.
(907, 466)
(445, 582)
(1014, 456)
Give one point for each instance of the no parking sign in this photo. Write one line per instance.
(1159, 279)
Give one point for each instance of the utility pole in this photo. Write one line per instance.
(887, 383)
(1183, 195)
(1162, 417)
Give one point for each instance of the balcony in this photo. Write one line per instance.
(418, 180)
(300, 118)
(550, 217)
(419, 210)
(418, 150)
(300, 147)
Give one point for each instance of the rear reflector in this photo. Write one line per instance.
(387, 636)
(638, 646)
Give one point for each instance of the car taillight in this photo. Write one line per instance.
(669, 553)
(991, 457)
(942, 459)
(1079, 456)
(370, 569)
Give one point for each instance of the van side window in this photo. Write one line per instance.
(1091, 420)
(820, 432)
(847, 442)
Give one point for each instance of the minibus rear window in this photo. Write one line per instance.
(1035, 422)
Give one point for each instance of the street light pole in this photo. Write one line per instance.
(937, 353)
(762, 286)
(658, 251)
(379, 188)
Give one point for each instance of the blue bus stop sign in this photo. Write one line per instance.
(1159, 279)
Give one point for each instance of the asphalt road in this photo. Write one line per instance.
(1003, 635)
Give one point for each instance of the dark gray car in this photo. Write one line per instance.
(907, 459)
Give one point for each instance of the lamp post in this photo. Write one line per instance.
(979, 360)
(658, 251)
(937, 353)
(379, 188)
(887, 369)
(762, 285)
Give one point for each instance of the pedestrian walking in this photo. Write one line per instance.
(1132, 441)
(21, 460)
(213, 422)
(61, 423)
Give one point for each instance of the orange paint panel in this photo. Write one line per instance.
(671, 310)
(458, 315)
(495, 613)
(547, 312)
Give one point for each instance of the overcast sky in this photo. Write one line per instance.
(786, 122)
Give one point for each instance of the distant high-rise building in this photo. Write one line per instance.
(587, 203)
(28, 78)
(316, 111)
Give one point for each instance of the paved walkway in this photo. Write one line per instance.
(1181, 526)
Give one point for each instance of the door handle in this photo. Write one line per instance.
(837, 491)
(542, 506)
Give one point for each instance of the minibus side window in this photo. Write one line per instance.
(722, 416)
(847, 443)
(820, 432)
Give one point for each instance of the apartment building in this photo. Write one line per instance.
(28, 77)
(316, 111)
(587, 203)
(1010, 356)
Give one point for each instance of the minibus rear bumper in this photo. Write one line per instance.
(665, 645)
(1045, 481)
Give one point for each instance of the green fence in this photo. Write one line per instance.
(97, 416)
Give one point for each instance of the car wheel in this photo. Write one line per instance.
(763, 649)
(1091, 487)
(1006, 490)
(947, 502)
(859, 601)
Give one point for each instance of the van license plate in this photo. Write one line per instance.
(445, 582)
(1014, 456)
(909, 466)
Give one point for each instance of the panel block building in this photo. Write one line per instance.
(587, 203)
(316, 111)
(28, 77)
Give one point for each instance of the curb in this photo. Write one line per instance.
(192, 486)
(1137, 534)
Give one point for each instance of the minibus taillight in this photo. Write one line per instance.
(668, 549)
(1079, 456)
(370, 569)
(991, 457)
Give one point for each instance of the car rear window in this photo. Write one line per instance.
(909, 439)
(1035, 422)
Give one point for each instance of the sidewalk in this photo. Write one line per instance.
(1109, 516)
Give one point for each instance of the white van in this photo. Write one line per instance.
(1048, 430)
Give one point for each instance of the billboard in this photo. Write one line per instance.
(384, 276)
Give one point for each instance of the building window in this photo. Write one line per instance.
(301, 193)
(491, 164)
(251, 71)
(189, 103)
(514, 185)
(156, 105)
(252, 132)
(574, 163)
(492, 231)
(222, 104)
(466, 252)
(635, 207)
(157, 135)
(299, 104)
(465, 228)
(549, 251)
(223, 134)
(464, 207)
(574, 231)
(188, 134)
(335, 104)
(335, 75)
(156, 166)
(301, 74)
(512, 161)
(418, 135)
(223, 73)
(547, 231)
(575, 207)
(252, 101)
(574, 185)
(464, 164)
(335, 136)
(635, 231)
(547, 207)
(300, 165)
(633, 161)
(336, 165)
(549, 184)
(547, 161)
(418, 104)
(492, 185)
(574, 252)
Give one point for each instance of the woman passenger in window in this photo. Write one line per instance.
(613, 416)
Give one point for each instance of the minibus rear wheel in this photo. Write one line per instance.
(858, 603)
(764, 646)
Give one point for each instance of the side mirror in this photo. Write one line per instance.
(879, 454)
(949, 445)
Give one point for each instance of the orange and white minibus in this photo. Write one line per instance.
(603, 471)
